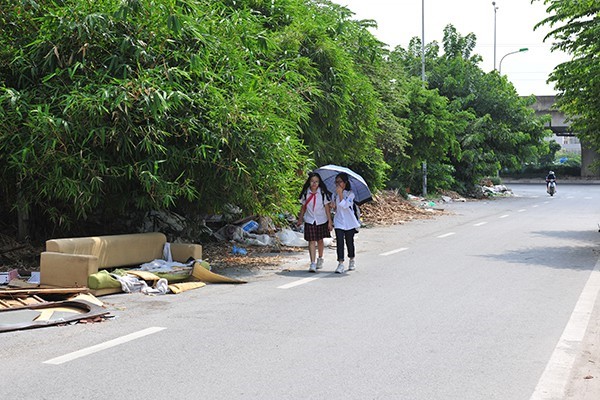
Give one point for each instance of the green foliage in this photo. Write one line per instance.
(343, 122)
(568, 159)
(561, 162)
(433, 129)
(550, 156)
(492, 127)
(170, 103)
(575, 28)
(535, 171)
(114, 106)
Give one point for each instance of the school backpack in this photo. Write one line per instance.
(356, 210)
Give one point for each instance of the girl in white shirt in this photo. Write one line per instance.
(345, 221)
(316, 215)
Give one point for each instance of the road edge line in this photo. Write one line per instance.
(556, 375)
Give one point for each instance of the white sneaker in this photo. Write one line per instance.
(320, 263)
(340, 269)
(313, 267)
(351, 266)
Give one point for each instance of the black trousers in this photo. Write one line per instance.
(342, 236)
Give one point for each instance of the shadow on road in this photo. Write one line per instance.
(584, 244)
(591, 236)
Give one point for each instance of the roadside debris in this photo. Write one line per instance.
(43, 314)
(246, 243)
(496, 190)
(239, 250)
(390, 208)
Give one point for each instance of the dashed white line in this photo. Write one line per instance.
(503, 216)
(387, 253)
(535, 205)
(446, 235)
(521, 210)
(103, 346)
(298, 282)
(480, 223)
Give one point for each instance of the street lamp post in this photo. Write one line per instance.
(423, 78)
(423, 42)
(495, 9)
(508, 54)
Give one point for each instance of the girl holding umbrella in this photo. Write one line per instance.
(345, 221)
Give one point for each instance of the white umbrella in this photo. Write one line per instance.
(359, 187)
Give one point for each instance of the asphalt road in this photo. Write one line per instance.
(470, 306)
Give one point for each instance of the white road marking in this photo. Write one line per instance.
(554, 380)
(387, 253)
(522, 210)
(588, 198)
(535, 205)
(103, 346)
(446, 235)
(298, 282)
(503, 216)
(480, 223)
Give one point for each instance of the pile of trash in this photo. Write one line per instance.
(495, 190)
(231, 236)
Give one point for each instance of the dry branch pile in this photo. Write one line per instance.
(389, 208)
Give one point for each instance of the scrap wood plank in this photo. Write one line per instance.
(21, 284)
(21, 302)
(31, 291)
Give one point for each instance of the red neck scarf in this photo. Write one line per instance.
(312, 197)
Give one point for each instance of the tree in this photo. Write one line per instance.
(343, 124)
(117, 106)
(575, 28)
(500, 130)
(433, 130)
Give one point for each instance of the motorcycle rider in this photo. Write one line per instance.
(550, 177)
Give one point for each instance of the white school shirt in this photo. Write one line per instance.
(317, 213)
(344, 214)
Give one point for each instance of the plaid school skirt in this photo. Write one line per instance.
(314, 232)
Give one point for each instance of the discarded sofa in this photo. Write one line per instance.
(69, 262)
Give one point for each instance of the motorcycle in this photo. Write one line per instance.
(551, 187)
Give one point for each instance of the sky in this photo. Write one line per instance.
(400, 20)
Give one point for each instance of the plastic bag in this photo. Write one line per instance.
(291, 238)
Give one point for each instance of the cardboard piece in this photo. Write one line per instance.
(177, 288)
(204, 275)
(144, 275)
